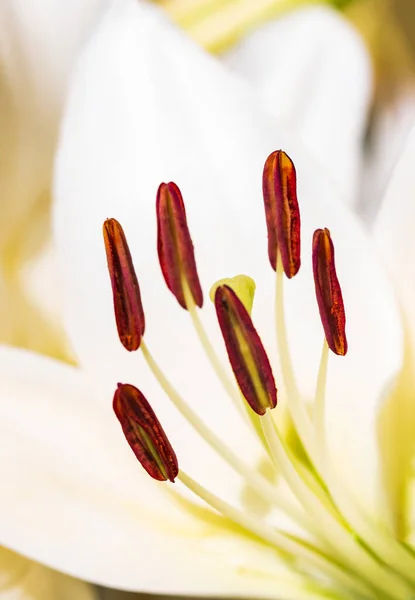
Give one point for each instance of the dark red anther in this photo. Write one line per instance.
(246, 353)
(175, 247)
(279, 186)
(128, 309)
(144, 433)
(328, 292)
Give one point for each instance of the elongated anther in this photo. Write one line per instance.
(279, 186)
(144, 433)
(246, 353)
(128, 308)
(175, 247)
(328, 292)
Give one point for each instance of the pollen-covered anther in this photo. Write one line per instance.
(328, 292)
(246, 353)
(175, 247)
(128, 308)
(279, 186)
(144, 433)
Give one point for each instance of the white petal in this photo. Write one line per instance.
(74, 498)
(312, 69)
(393, 234)
(22, 579)
(392, 124)
(23, 325)
(40, 283)
(38, 44)
(142, 111)
(393, 229)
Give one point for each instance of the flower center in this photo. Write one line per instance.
(342, 550)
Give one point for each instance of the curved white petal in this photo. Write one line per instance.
(22, 579)
(74, 498)
(390, 129)
(393, 229)
(39, 279)
(147, 106)
(393, 234)
(311, 68)
(38, 43)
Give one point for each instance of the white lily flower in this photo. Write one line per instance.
(148, 106)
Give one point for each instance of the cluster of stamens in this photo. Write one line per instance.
(339, 557)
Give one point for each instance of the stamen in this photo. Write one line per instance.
(244, 287)
(282, 542)
(221, 373)
(246, 353)
(128, 309)
(149, 443)
(175, 247)
(387, 547)
(279, 186)
(346, 544)
(144, 433)
(328, 292)
(333, 530)
(295, 405)
(319, 402)
(257, 481)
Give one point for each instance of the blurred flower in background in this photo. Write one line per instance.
(21, 579)
(38, 46)
(308, 69)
